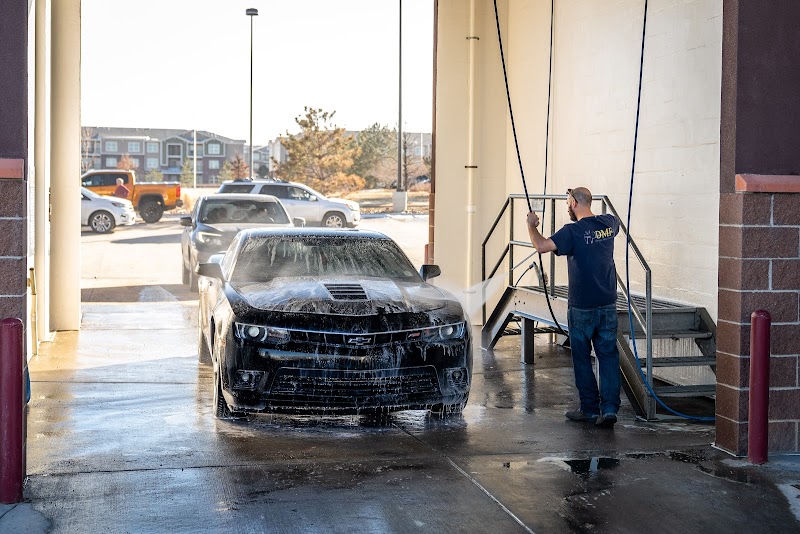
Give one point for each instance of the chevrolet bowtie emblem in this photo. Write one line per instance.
(359, 341)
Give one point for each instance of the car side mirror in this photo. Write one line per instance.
(212, 270)
(430, 271)
(186, 221)
(299, 221)
(312, 198)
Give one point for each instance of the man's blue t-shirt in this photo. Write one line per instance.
(589, 247)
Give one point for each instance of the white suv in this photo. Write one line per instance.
(301, 201)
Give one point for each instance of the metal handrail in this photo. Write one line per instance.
(645, 322)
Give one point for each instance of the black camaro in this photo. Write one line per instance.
(329, 321)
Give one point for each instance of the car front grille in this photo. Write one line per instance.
(354, 387)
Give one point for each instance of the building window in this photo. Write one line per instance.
(417, 150)
(174, 150)
(111, 146)
(134, 146)
(152, 163)
(214, 149)
(256, 156)
(152, 148)
(199, 165)
(111, 162)
(190, 150)
(135, 163)
(213, 164)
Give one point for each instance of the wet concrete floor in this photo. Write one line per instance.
(121, 439)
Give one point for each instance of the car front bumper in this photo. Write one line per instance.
(330, 380)
(125, 218)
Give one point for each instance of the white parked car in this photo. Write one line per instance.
(301, 201)
(103, 214)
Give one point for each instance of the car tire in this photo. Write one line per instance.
(192, 280)
(334, 219)
(443, 410)
(151, 211)
(221, 409)
(102, 222)
(203, 354)
(184, 273)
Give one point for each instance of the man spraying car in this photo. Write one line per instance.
(588, 244)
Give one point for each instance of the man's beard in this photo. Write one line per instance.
(572, 216)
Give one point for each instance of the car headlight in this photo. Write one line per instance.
(118, 204)
(444, 333)
(209, 239)
(261, 333)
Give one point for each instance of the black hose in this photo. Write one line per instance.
(516, 142)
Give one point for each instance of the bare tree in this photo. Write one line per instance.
(89, 153)
(126, 163)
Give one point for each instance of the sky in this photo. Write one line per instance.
(186, 64)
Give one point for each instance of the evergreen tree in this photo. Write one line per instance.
(321, 156)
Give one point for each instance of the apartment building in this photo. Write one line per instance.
(159, 149)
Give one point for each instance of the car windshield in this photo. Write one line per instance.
(263, 258)
(315, 193)
(217, 211)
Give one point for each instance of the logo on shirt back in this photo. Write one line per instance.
(590, 237)
(602, 234)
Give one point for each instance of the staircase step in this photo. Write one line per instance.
(703, 390)
(694, 334)
(683, 361)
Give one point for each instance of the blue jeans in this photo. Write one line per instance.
(595, 327)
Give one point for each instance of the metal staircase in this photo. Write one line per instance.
(654, 319)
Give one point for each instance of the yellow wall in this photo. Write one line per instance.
(595, 76)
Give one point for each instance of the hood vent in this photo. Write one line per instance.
(346, 291)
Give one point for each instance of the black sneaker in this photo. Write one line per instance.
(579, 416)
(607, 420)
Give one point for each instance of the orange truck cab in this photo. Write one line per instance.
(150, 199)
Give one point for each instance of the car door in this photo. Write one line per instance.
(297, 201)
(186, 237)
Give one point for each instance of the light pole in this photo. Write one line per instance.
(400, 195)
(400, 184)
(251, 12)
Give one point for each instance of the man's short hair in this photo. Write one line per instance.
(581, 195)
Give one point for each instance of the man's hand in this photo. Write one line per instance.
(541, 243)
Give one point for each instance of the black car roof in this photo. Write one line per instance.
(315, 232)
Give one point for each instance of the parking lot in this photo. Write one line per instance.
(121, 437)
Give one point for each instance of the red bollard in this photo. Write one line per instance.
(758, 426)
(12, 472)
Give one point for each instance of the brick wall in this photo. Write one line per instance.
(759, 268)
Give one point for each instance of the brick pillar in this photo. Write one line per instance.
(759, 234)
(13, 155)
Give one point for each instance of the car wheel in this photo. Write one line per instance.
(192, 280)
(102, 222)
(151, 211)
(184, 273)
(443, 410)
(334, 220)
(221, 409)
(203, 354)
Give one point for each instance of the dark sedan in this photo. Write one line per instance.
(329, 321)
(217, 218)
